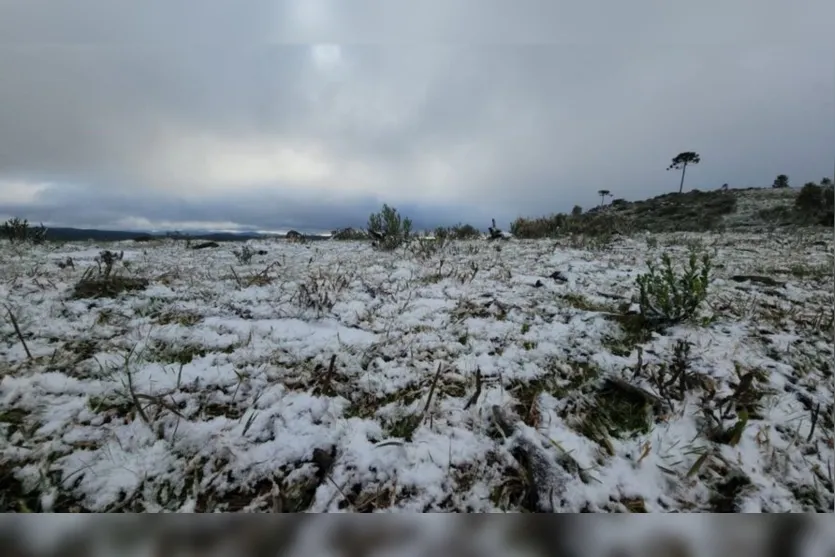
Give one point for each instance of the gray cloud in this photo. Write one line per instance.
(450, 111)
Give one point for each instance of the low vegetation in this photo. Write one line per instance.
(16, 230)
(609, 364)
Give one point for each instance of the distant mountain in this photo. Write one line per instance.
(68, 234)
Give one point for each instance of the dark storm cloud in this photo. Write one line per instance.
(177, 111)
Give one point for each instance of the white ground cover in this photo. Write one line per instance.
(329, 376)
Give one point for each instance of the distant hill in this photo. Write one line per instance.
(69, 234)
(693, 211)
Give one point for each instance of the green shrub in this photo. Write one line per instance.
(16, 230)
(394, 229)
(457, 232)
(815, 203)
(668, 297)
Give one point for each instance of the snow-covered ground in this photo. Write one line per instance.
(328, 376)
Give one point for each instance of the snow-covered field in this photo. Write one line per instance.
(329, 376)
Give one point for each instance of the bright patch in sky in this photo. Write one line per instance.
(327, 56)
(13, 192)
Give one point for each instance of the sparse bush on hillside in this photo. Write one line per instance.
(560, 224)
(815, 203)
(669, 297)
(781, 181)
(576, 211)
(349, 234)
(392, 229)
(457, 232)
(809, 197)
(17, 231)
(692, 211)
(542, 227)
(464, 232)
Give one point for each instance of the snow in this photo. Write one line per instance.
(196, 393)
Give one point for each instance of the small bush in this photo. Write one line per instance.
(105, 283)
(816, 203)
(349, 234)
(244, 255)
(543, 227)
(321, 291)
(393, 229)
(462, 232)
(781, 181)
(671, 298)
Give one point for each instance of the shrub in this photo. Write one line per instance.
(666, 296)
(816, 203)
(16, 230)
(464, 232)
(244, 255)
(457, 232)
(781, 181)
(349, 234)
(542, 227)
(393, 229)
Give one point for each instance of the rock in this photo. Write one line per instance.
(558, 276)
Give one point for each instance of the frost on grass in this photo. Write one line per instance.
(472, 377)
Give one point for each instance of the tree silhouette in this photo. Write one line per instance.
(781, 181)
(681, 161)
(603, 194)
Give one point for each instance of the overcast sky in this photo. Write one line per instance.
(310, 114)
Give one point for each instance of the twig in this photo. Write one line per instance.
(135, 397)
(262, 274)
(815, 415)
(329, 374)
(17, 331)
(431, 391)
(477, 393)
(234, 274)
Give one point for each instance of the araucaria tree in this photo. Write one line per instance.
(603, 194)
(681, 161)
